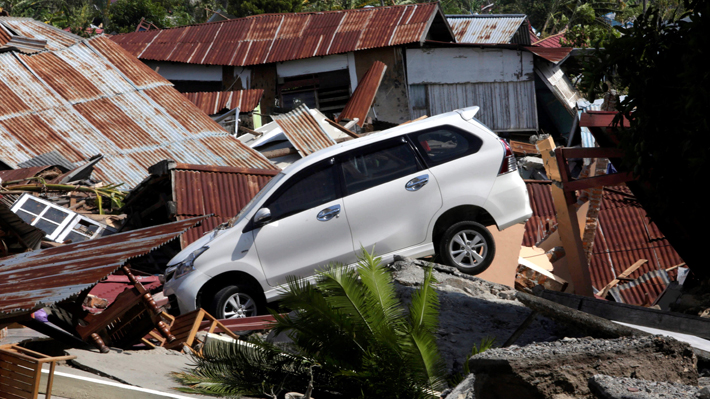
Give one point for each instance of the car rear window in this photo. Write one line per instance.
(446, 143)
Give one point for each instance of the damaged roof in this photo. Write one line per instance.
(30, 36)
(214, 102)
(35, 279)
(230, 190)
(303, 131)
(364, 95)
(92, 97)
(268, 38)
(490, 28)
(624, 235)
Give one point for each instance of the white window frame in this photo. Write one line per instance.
(66, 226)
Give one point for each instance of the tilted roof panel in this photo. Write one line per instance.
(497, 29)
(303, 131)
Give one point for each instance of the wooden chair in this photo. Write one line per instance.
(186, 326)
(126, 321)
(21, 370)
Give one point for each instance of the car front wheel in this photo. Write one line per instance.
(468, 246)
(235, 301)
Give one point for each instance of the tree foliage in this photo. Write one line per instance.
(350, 335)
(661, 64)
(243, 8)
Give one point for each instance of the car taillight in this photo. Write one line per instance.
(509, 164)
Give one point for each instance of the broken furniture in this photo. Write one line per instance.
(126, 321)
(21, 369)
(185, 328)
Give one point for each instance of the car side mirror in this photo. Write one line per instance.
(262, 217)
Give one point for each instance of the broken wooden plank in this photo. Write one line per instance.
(568, 224)
(523, 149)
(621, 277)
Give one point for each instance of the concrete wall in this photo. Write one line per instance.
(392, 101)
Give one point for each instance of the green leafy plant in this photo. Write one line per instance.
(349, 334)
(486, 343)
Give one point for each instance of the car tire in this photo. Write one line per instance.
(468, 246)
(236, 301)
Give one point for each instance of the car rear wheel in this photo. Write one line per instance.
(468, 246)
(236, 301)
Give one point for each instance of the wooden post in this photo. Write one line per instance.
(567, 222)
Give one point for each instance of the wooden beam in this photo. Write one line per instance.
(342, 129)
(613, 179)
(521, 148)
(621, 276)
(567, 222)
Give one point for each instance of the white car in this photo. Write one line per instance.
(424, 188)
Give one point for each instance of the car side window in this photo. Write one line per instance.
(310, 187)
(378, 164)
(446, 143)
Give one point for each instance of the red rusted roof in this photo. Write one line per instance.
(214, 102)
(551, 41)
(624, 235)
(553, 55)
(95, 98)
(21, 174)
(221, 191)
(359, 104)
(35, 279)
(271, 38)
(303, 131)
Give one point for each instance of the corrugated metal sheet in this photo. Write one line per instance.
(505, 106)
(558, 83)
(49, 159)
(303, 131)
(35, 279)
(554, 55)
(86, 100)
(27, 27)
(624, 235)
(642, 291)
(21, 174)
(282, 37)
(364, 95)
(552, 41)
(490, 29)
(204, 190)
(214, 102)
(29, 235)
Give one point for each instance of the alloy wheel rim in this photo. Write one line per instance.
(468, 248)
(239, 305)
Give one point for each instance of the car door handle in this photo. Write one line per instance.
(328, 213)
(417, 183)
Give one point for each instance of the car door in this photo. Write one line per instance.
(308, 228)
(389, 196)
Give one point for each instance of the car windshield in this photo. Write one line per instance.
(257, 198)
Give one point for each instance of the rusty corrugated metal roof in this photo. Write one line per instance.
(35, 279)
(30, 28)
(271, 38)
(553, 55)
(364, 95)
(303, 131)
(21, 174)
(624, 235)
(643, 290)
(214, 102)
(93, 98)
(489, 28)
(217, 190)
(552, 41)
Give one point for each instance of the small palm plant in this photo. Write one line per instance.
(351, 337)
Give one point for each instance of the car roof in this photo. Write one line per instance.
(396, 131)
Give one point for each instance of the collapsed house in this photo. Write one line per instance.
(83, 97)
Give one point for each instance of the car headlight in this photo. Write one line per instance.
(184, 267)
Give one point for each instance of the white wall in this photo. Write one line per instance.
(175, 71)
(312, 65)
(468, 65)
